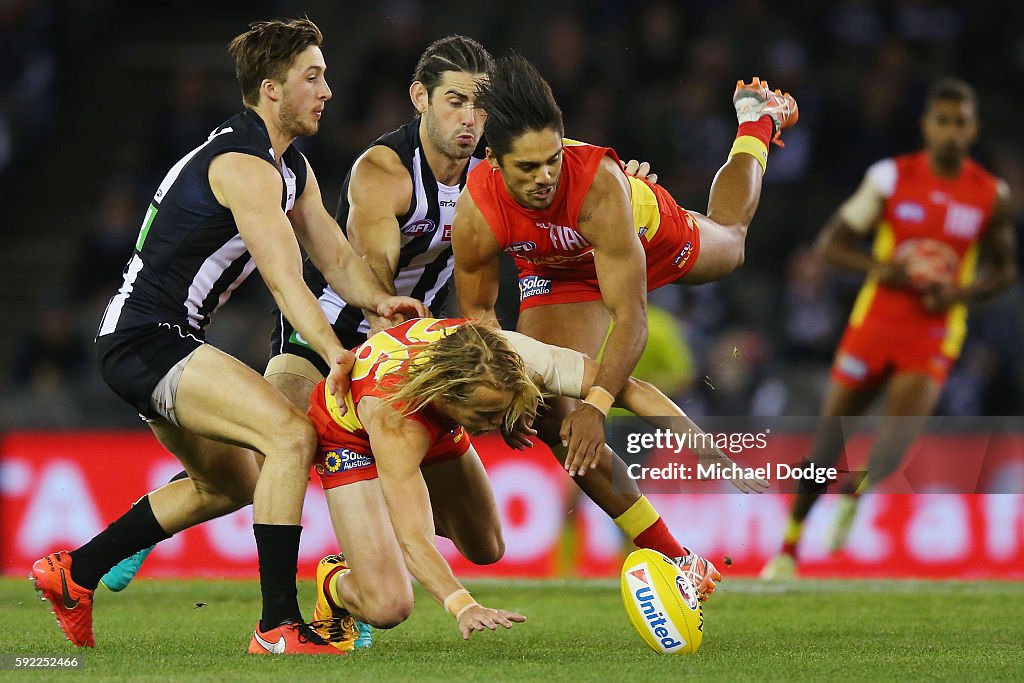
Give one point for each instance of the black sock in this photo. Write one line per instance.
(278, 548)
(128, 534)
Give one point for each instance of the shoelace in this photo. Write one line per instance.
(307, 634)
(339, 629)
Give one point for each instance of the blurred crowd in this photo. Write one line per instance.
(651, 79)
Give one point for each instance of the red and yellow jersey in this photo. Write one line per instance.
(372, 375)
(918, 205)
(548, 242)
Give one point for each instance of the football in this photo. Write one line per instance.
(661, 603)
(928, 262)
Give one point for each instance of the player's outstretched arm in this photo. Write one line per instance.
(251, 189)
(646, 401)
(333, 256)
(399, 446)
(380, 189)
(476, 254)
(569, 373)
(606, 221)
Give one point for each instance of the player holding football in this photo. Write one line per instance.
(942, 238)
(399, 467)
(589, 242)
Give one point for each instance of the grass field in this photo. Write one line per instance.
(577, 631)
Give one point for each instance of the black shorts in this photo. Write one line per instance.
(285, 339)
(133, 362)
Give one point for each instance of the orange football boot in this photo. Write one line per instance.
(69, 602)
(756, 100)
(290, 639)
(701, 573)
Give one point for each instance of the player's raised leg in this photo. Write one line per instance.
(736, 190)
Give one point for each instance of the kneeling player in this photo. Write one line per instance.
(399, 467)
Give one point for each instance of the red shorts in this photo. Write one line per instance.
(871, 353)
(670, 255)
(344, 458)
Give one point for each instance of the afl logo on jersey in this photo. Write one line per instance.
(521, 247)
(909, 211)
(421, 227)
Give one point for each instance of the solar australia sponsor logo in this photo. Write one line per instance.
(532, 285)
(343, 460)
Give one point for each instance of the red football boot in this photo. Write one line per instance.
(70, 603)
(290, 639)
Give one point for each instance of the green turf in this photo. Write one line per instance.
(577, 631)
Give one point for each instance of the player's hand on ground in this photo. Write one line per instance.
(640, 169)
(712, 456)
(583, 432)
(339, 378)
(478, 617)
(405, 305)
(518, 436)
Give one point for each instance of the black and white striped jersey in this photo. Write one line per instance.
(189, 257)
(425, 261)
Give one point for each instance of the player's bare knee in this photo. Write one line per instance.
(387, 611)
(295, 439)
(487, 551)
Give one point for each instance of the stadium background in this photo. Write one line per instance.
(100, 97)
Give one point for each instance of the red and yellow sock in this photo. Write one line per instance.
(794, 530)
(331, 588)
(642, 523)
(753, 138)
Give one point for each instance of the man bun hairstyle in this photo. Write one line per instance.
(453, 53)
(517, 100)
(267, 50)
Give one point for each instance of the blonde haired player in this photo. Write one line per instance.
(399, 468)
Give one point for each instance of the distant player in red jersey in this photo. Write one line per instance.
(942, 238)
(589, 242)
(399, 467)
